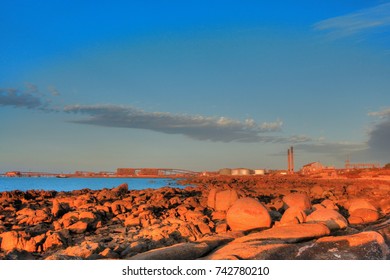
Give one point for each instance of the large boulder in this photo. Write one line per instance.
(362, 211)
(360, 203)
(368, 245)
(11, 240)
(288, 233)
(298, 200)
(316, 192)
(248, 213)
(363, 216)
(385, 205)
(32, 217)
(333, 219)
(182, 251)
(221, 200)
(293, 215)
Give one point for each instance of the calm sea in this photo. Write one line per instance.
(70, 184)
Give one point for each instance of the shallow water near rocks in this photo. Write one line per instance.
(70, 184)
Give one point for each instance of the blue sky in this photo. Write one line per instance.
(200, 85)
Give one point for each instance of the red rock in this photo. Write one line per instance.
(317, 207)
(221, 228)
(58, 209)
(293, 215)
(316, 191)
(211, 198)
(368, 245)
(203, 228)
(298, 200)
(329, 204)
(248, 213)
(355, 220)
(120, 190)
(193, 215)
(221, 200)
(333, 219)
(11, 240)
(83, 250)
(384, 205)
(367, 215)
(87, 216)
(54, 241)
(218, 215)
(32, 217)
(109, 254)
(360, 203)
(225, 199)
(69, 218)
(132, 222)
(78, 227)
(287, 233)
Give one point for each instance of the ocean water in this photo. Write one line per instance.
(70, 184)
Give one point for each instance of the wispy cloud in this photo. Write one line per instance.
(332, 148)
(29, 98)
(360, 21)
(15, 98)
(382, 114)
(218, 129)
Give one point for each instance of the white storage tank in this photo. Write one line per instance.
(241, 171)
(259, 171)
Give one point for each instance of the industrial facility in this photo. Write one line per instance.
(241, 171)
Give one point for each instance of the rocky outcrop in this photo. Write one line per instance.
(331, 218)
(217, 218)
(297, 200)
(248, 213)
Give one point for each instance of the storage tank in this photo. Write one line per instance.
(225, 171)
(235, 172)
(259, 171)
(241, 172)
(245, 171)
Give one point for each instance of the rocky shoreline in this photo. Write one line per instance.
(285, 217)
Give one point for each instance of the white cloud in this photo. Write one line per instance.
(360, 21)
(382, 114)
(220, 129)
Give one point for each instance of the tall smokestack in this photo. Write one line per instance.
(288, 161)
(292, 159)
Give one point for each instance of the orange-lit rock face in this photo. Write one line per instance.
(316, 192)
(124, 223)
(298, 200)
(362, 216)
(333, 219)
(221, 200)
(293, 215)
(360, 203)
(247, 213)
(288, 233)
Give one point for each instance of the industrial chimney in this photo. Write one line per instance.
(290, 160)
